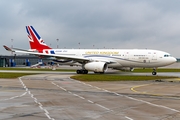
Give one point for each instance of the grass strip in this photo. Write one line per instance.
(13, 75)
(93, 77)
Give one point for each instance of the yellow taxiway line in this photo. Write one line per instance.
(135, 87)
(146, 93)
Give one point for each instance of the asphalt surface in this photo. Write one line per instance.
(55, 96)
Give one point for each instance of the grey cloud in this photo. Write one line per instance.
(103, 23)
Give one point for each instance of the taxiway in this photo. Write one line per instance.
(57, 97)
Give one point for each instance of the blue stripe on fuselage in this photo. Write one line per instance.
(52, 52)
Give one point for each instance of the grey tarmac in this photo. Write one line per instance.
(55, 96)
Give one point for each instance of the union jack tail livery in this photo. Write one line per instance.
(36, 42)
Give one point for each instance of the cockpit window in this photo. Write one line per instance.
(166, 55)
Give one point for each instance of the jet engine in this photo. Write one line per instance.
(97, 67)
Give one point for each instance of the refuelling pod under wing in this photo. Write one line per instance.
(100, 67)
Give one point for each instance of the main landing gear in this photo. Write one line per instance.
(82, 71)
(154, 71)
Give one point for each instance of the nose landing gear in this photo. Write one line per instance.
(154, 71)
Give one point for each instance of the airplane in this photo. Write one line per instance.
(98, 60)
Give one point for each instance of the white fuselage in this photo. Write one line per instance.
(118, 58)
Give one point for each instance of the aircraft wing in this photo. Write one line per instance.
(76, 58)
(80, 59)
(14, 49)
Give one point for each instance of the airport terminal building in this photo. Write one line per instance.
(21, 60)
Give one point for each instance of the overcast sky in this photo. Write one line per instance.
(132, 24)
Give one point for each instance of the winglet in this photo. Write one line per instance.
(7, 48)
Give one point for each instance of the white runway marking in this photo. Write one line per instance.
(14, 97)
(139, 100)
(90, 101)
(36, 101)
(103, 107)
(76, 95)
(97, 87)
(81, 97)
(128, 118)
(152, 104)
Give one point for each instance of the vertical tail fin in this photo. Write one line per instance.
(36, 42)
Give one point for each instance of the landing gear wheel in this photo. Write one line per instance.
(78, 71)
(82, 71)
(154, 73)
(86, 71)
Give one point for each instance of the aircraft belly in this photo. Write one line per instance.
(114, 65)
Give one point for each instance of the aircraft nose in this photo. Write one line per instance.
(173, 59)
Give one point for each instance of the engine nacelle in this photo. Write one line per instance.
(96, 66)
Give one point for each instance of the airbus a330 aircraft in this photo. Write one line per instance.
(98, 60)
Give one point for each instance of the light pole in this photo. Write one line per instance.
(79, 45)
(11, 45)
(57, 43)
